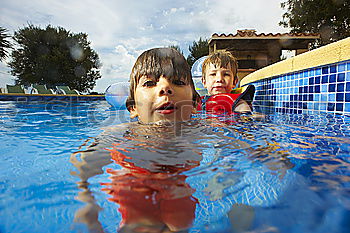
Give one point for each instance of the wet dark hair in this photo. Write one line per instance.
(157, 62)
(221, 59)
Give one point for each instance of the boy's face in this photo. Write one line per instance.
(219, 80)
(162, 100)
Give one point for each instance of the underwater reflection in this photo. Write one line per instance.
(148, 185)
(211, 175)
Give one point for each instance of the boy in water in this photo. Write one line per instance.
(219, 76)
(156, 198)
(161, 87)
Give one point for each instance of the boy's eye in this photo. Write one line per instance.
(149, 83)
(212, 74)
(179, 82)
(228, 74)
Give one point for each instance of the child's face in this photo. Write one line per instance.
(162, 100)
(219, 80)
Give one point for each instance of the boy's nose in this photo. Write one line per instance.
(219, 77)
(165, 87)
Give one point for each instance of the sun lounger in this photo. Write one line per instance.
(15, 89)
(65, 90)
(41, 89)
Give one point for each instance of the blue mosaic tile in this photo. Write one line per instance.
(305, 74)
(311, 72)
(341, 67)
(325, 70)
(340, 87)
(317, 106)
(306, 81)
(347, 76)
(324, 79)
(324, 88)
(330, 106)
(331, 88)
(317, 97)
(318, 71)
(317, 80)
(311, 80)
(311, 89)
(339, 107)
(341, 77)
(340, 97)
(332, 78)
(347, 86)
(347, 97)
(323, 106)
(347, 107)
(311, 97)
(306, 89)
(310, 105)
(317, 89)
(333, 69)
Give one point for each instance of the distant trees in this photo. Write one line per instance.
(54, 56)
(177, 48)
(330, 18)
(197, 50)
(4, 43)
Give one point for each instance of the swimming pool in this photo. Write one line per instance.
(286, 173)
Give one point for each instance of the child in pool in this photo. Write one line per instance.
(162, 93)
(152, 199)
(219, 76)
(161, 87)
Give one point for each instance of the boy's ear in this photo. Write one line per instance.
(133, 112)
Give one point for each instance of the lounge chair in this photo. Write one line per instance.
(65, 90)
(18, 89)
(41, 89)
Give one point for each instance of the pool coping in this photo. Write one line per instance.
(48, 97)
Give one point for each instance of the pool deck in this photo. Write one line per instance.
(48, 97)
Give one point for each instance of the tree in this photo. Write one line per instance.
(176, 47)
(197, 50)
(330, 18)
(54, 56)
(4, 43)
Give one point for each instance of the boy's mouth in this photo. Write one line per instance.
(166, 108)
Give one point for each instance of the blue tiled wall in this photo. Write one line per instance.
(319, 89)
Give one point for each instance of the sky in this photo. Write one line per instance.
(120, 30)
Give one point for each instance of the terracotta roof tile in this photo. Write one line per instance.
(253, 34)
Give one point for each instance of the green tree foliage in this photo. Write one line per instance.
(4, 43)
(54, 56)
(330, 18)
(176, 47)
(197, 50)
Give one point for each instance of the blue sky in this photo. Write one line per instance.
(120, 30)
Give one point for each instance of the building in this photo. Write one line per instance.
(255, 51)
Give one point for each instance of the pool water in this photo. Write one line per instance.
(71, 167)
